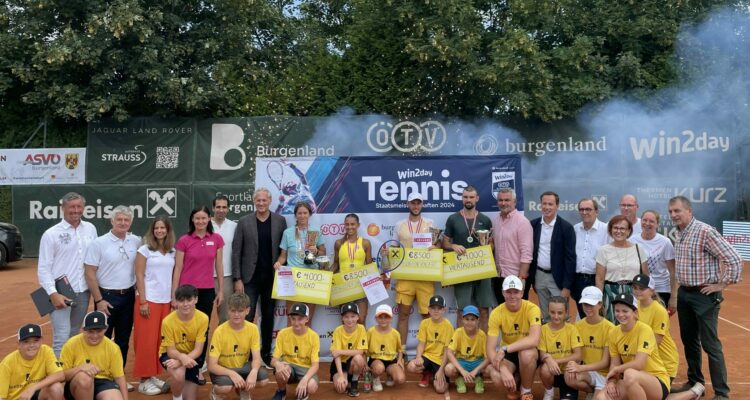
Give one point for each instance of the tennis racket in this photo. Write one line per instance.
(390, 256)
(275, 172)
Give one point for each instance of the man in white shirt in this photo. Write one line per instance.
(629, 209)
(110, 273)
(224, 227)
(591, 233)
(61, 252)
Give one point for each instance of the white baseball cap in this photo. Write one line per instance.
(384, 309)
(591, 295)
(414, 196)
(512, 282)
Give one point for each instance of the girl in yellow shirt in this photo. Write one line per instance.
(352, 251)
(636, 370)
(589, 376)
(558, 345)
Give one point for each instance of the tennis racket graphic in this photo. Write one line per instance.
(275, 172)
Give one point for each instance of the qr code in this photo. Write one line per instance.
(167, 157)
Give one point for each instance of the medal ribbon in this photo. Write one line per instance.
(419, 227)
(352, 253)
(473, 223)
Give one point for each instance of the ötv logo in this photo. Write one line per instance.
(406, 136)
(161, 201)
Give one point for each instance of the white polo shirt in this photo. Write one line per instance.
(226, 231)
(114, 259)
(61, 252)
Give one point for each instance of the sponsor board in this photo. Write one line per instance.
(42, 166)
(687, 141)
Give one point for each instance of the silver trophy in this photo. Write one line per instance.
(484, 237)
(312, 238)
(436, 232)
(323, 262)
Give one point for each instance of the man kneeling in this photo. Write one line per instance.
(234, 355)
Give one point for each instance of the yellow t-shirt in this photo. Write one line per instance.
(403, 234)
(467, 348)
(105, 355)
(640, 339)
(345, 263)
(302, 350)
(559, 343)
(656, 316)
(384, 346)
(595, 338)
(18, 373)
(514, 325)
(232, 348)
(183, 335)
(356, 340)
(435, 336)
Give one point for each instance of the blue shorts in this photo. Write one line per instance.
(470, 365)
(191, 374)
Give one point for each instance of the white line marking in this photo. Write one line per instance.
(14, 336)
(735, 324)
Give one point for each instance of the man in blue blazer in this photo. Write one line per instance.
(553, 267)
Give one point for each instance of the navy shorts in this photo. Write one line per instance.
(191, 374)
(386, 363)
(100, 385)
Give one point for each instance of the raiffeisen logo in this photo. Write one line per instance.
(445, 189)
(40, 211)
(407, 136)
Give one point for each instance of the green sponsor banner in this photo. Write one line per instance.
(37, 208)
(141, 150)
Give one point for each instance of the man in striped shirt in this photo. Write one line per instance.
(705, 264)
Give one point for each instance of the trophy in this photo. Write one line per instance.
(436, 232)
(312, 238)
(484, 237)
(323, 262)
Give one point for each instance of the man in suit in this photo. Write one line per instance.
(553, 267)
(254, 250)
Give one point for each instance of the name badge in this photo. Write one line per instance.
(209, 243)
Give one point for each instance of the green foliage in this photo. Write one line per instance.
(74, 61)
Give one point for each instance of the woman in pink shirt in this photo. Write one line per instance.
(199, 254)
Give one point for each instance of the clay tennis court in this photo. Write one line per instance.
(19, 279)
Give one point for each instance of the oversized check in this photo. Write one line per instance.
(346, 285)
(312, 285)
(420, 265)
(477, 263)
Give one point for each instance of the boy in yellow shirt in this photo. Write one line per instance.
(466, 351)
(296, 356)
(183, 336)
(32, 371)
(560, 343)
(234, 355)
(434, 334)
(385, 350)
(348, 350)
(93, 363)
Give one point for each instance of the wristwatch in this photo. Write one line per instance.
(504, 349)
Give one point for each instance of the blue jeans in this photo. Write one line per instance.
(120, 320)
(267, 305)
(67, 322)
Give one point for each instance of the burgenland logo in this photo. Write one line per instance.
(161, 201)
(134, 156)
(407, 136)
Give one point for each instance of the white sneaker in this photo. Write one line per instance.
(130, 387)
(148, 388)
(549, 394)
(390, 382)
(376, 385)
(163, 386)
(698, 389)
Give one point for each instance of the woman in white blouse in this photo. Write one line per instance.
(154, 264)
(618, 262)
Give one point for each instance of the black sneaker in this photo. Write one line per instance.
(279, 395)
(353, 392)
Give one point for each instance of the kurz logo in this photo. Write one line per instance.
(161, 201)
(407, 136)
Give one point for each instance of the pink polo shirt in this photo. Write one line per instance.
(200, 257)
(514, 242)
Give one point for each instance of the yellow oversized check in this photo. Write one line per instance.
(312, 286)
(420, 265)
(477, 263)
(346, 285)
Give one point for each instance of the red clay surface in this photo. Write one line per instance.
(19, 279)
